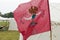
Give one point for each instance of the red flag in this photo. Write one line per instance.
(33, 17)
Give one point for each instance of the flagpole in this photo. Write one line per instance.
(50, 21)
(51, 35)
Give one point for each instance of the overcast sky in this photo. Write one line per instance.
(11, 5)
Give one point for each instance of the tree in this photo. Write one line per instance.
(0, 14)
(8, 15)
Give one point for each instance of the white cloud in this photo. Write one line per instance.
(8, 5)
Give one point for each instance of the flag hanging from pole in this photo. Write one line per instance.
(33, 17)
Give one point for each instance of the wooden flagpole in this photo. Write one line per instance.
(49, 20)
(51, 35)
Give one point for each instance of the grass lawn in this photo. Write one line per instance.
(9, 35)
(4, 23)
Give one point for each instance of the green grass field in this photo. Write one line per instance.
(2, 23)
(9, 35)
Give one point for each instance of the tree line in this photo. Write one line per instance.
(7, 15)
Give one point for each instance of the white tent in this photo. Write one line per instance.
(1, 18)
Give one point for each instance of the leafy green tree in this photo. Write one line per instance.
(8, 15)
(0, 14)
